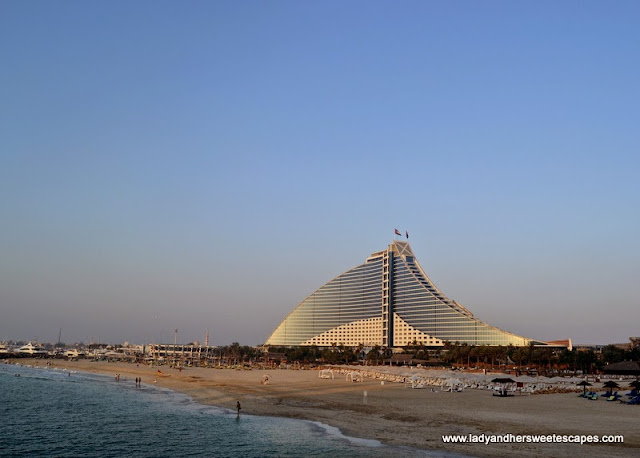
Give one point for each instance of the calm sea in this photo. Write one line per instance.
(49, 413)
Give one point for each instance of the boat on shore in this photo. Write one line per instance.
(32, 350)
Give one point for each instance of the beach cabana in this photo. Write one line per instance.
(326, 373)
(503, 381)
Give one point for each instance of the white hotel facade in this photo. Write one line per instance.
(389, 301)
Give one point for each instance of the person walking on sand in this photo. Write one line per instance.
(238, 407)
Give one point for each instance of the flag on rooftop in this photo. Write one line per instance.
(406, 233)
(397, 232)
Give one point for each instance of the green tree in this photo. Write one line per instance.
(612, 354)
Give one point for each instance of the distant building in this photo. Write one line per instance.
(160, 352)
(389, 301)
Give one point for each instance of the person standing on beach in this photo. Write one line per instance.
(238, 407)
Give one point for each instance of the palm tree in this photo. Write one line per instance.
(518, 356)
(359, 351)
(530, 349)
(374, 354)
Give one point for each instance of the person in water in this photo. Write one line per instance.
(238, 407)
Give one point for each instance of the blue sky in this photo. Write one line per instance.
(207, 165)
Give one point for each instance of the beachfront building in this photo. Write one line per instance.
(389, 301)
(187, 354)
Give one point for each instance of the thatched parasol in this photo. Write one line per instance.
(584, 384)
(635, 384)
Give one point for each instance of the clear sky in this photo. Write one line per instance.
(207, 165)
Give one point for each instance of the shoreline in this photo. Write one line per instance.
(390, 413)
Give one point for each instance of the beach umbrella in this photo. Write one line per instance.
(611, 384)
(584, 384)
(635, 384)
(452, 382)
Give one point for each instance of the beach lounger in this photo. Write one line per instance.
(503, 394)
(632, 402)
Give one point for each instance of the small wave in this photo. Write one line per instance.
(399, 451)
(333, 431)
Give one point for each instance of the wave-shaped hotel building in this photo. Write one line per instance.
(388, 301)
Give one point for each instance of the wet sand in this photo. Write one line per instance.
(394, 414)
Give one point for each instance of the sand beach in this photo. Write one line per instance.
(393, 413)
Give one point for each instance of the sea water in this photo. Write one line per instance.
(48, 412)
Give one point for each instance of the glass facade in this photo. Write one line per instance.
(353, 296)
(418, 302)
(362, 305)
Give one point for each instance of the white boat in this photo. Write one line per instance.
(32, 350)
(74, 354)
